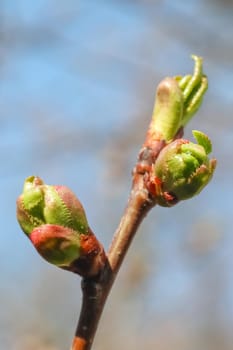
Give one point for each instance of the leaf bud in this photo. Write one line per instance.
(45, 204)
(183, 169)
(54, 220)
(168, 109)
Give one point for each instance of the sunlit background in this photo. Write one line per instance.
(78, 80)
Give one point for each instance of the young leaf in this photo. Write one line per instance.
(203, 140)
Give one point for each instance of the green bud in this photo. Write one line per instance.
(55, 222)
(183, 169)
(177, 100)
(41, 204)
(168, 109)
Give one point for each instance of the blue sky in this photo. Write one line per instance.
(76, 76)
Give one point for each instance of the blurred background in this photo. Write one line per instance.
(78, 80)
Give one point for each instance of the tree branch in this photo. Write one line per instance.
(96, 290)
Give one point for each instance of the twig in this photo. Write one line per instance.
(96, 290)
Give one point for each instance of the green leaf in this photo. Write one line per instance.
(203, 140)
